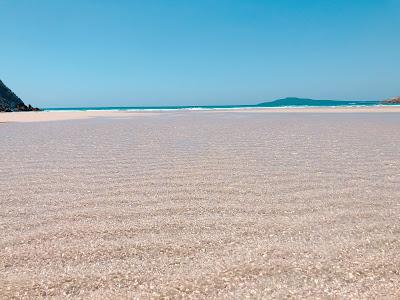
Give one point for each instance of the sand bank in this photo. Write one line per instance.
(77, 115)
(200, 204)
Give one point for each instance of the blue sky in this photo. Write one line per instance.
(56, 53)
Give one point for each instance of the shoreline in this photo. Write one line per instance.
(46, 116)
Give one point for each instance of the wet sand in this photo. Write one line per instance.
(29, 117)
(301, 203)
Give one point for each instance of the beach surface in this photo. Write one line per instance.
(257, 203)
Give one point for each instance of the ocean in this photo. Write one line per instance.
(287, 102)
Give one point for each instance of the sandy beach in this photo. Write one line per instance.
(258, 203)
(29, 117)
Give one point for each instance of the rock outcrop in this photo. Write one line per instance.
(11, 102)
(395, 100)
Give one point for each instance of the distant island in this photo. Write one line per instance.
(10, 102)
(293, 101)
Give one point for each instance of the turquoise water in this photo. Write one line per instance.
(287, 102)
(151, 107)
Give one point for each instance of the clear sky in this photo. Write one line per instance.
(56, 53)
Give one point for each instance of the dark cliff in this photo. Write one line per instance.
(11, 102)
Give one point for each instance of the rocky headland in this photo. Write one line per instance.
(10, 102)
(395, 100)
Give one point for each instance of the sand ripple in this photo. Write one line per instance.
(201, 205)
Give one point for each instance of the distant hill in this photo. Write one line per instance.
(11, 102)
(292, 101)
